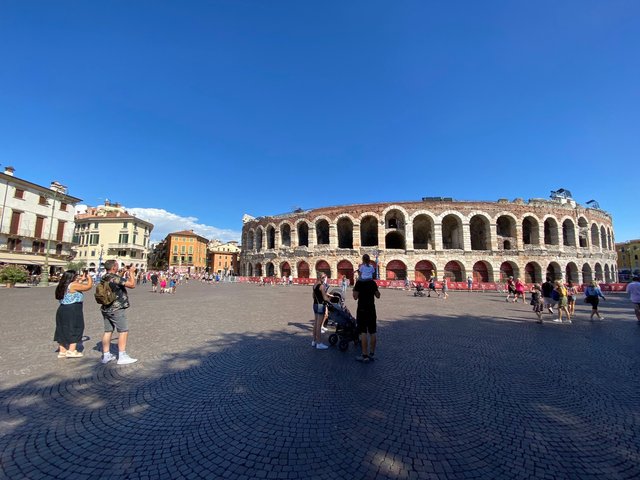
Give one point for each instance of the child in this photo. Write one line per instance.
(536, 301)
(366, 271)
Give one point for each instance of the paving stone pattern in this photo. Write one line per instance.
(228, 387)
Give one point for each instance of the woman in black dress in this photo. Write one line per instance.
(69, 317)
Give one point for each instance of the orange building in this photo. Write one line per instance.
(187, 251)
(223, 257)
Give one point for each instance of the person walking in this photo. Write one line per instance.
(572, 293)
(343, 286)
(547, 292)
(365, 292)
(519, 288)
(432, 287)
(593, 294)
(114, 315)
(633, 289)
(320, 298)
(511, 289)
(445, 288)
(562, 301)
(537, 302)
(469, 283)
(69, 316)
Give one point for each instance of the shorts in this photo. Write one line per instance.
(319, 308)
(117, 319)
(366, 323)
(512, 290)
(549, 301)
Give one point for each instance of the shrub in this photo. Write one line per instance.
(13, 274)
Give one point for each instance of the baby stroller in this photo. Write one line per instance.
(339, 315)
(419, 291)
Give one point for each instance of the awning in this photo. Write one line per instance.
(30, 259)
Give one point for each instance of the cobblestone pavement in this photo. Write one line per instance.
(228, 386)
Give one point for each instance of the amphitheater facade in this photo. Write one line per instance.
(531, 240)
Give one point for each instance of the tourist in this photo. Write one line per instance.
(445, 288)
(343, 286)
(69, 316)
(432, 287)
(592, 296)
(537, 302)
(511, 289)
(633, 289)
(320, 298)
(366, 270)
(172, 284)
(572, 293)
(154, 282)
(365, 292)
(561, 292)
(547, 292)
(163, 284)
(114, 314)
(469, 283)
(519, 288)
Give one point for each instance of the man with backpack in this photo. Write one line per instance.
(112, 294)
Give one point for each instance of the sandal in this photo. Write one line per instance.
(62, 354)
(74, 354)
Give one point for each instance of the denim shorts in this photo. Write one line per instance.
(318, 308)
(116, 319)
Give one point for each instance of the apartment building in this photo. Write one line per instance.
(186, 251)
(223, 257)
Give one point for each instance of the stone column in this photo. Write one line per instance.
(466, 237)
(437, 232)
(493, 237)
(276, 238)
(312, 236)
(408, 238)
(381, 240)
(519, 241)
(333, 236)
(356, 236)
(294, 236)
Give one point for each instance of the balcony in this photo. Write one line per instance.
(126, 246)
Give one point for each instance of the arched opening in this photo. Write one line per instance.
(323, 267)
(571, 273)
(506, 245)
(506, 231)
(598, 273)
(303, 270)
(259, 239)
(249, 270)
(271, 270)
(423, 233)
(285, 235)
(394, 240)
(481, 272)
(595, 238)
(394, 219)
(508, 269)
(607, 274)
(532, 273)
(587, 273)
(530, 231)
(609, 242)
(550, 232)
(251, 239)
(345, 268)
(603, 238)
(423, 270)
(271, 237)
(454, 271)
(583, 232)
(480, 229)
(322, 232)
(345, 233)
(303, 235)
(452, 233)
(369, 232)
(285, 269)
(554, 272)
(568, 233)
(396, 270)
(258, 269)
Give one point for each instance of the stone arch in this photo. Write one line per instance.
(603, 238)
(583, 232)
(345, 232)
(303, 269)
(571, 273)
(506, 231)
(394, 240)
(482, 272)
(607, 274)
(396, 270)
(271, 237)
(509, 269)
(270, 269)
(551, 231)
(369, 231)
(595, 236)
(285, 269)
(452, 232)
(587, 273)
(530, 230)
(303, 234)
(554, 272)
(598, 272)
(285, 234)
(609, 241)
(258, 270)
(345, 267)
(423, 232)
(259, 239)
(396, 212)
(322, 231)
(480, 231)
(251, 236)
(568, 233)
(454, 270)
(532, 273)
(249, 269)
(423, 270)
(322, 266)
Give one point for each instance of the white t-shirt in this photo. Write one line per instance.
(633, 289)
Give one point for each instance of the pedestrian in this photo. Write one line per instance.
(154, 282)
(537, 302)
(172, 284)
(593, 294)
(365, 292)
(445, 288)
(563, 302)
(519, 288)
(572, 294)
(633, 289)
(114, 315)
(163, 284)
(547, 292)
(469, 283)
(343, 286)
(320, 298)
(366, 270)
(511, 289)
(432, 287)
(69, 316)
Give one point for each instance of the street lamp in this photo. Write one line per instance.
(98, 275)
(45, 273)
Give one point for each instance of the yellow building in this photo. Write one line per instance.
(628, 259)
(187, 252)
(223, 257)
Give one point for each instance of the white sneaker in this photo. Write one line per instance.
(107, 357)
(321, 346)
(313, 343)
(324, 329)
(126, 359)
(557, 320)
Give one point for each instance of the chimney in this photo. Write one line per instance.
(9, 171)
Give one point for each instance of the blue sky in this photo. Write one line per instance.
(201, 111)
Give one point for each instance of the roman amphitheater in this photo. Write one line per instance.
(532, 240)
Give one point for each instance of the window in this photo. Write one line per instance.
(19, 193)
(175, 259)
(95, 225)
(59, 249)
(43, 200)
(124, 238)
(93, 253)
(37, 247)
(63, 206)
(125, 224)
(190, 259)
(14, 245)
(183, 249)
(39, 225)
(175, 249)
(94, 239)
(60, 233)
(15, 222)
(190, 248)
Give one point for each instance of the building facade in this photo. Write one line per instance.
(223, 257)
(36, 223)
(489, 241)
(110, 232)
(187, 252)
(628, 259)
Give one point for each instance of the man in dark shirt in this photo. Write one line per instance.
(154, 282)
(365, 292)
(547, 292)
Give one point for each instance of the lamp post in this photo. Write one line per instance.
(98, 275)
(45, 273)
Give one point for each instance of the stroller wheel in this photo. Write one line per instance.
(343, 345)
(333, 339)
